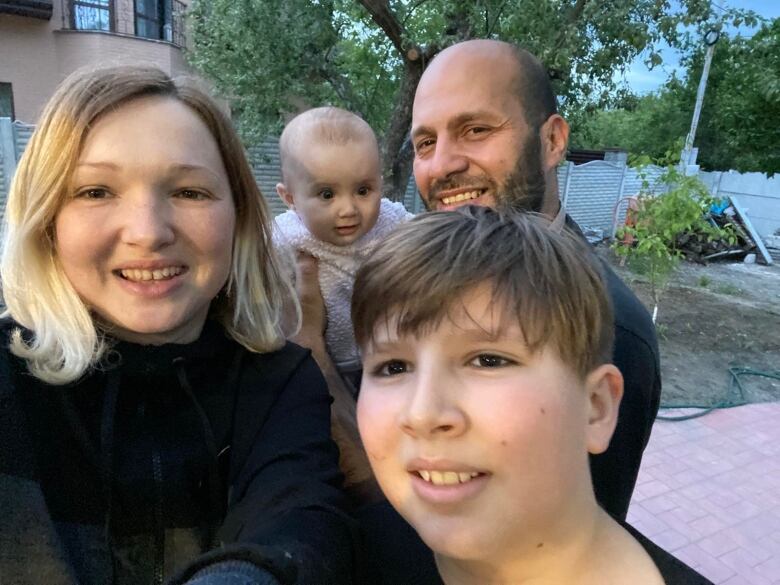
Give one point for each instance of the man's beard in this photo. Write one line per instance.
(522, 189)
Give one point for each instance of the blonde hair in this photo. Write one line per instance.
(551, 283)
(328, 124)
(64, 340)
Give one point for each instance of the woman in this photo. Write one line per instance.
(151, 410)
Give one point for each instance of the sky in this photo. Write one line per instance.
(641, 80)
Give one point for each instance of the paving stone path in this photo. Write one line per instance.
(709, 492)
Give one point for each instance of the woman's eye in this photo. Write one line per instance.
(391, 368)
(96, 193)
(326, 194)
(487, 360)
(192, 194)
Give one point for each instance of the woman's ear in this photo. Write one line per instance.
(285, 195)
(604, 386)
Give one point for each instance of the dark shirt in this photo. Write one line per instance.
(636, 355)
(393, 553)
(171, 459)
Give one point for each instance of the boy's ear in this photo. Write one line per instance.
(285, 195)
(604, 386)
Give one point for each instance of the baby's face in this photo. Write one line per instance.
(477, 442)
(336, 190)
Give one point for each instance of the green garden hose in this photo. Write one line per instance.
(736, 396)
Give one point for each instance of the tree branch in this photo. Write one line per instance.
(386, 20)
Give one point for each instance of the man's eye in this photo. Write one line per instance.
(488, 360)
(424, 144)
(477, 130)
(391, 368)
(325, 194)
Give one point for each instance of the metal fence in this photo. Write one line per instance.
(590, 192)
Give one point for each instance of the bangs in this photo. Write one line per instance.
(548, 284)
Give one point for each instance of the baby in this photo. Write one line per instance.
(332, 184)
(486, 341)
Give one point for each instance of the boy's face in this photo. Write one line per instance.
(335, 189)
(475, 441)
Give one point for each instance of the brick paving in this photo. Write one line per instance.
(709, 492)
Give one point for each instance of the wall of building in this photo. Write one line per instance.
(38, 54)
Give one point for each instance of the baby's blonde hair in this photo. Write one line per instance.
(328, 125)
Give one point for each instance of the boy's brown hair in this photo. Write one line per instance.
(551, 282)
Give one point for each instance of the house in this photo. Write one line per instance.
(42, 41)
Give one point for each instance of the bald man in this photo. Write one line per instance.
(486, 131)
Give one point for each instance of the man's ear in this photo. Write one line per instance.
(604, 386)
(555, 139)
(285, 195)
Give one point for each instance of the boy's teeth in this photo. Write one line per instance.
(147, 275)
(447, 477)
(461, 197)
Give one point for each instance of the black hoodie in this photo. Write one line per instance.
(163, 453)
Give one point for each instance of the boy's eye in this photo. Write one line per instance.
(325, 194)
(391, 368)
(488, 360)
(363, 191)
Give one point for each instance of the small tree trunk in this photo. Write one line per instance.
(397, 154)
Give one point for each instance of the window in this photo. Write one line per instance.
(154, 19)
(6, 101)
(91, 14)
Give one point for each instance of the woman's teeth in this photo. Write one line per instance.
(147, 275)
(447, 477)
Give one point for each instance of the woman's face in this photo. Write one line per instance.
(146, 230)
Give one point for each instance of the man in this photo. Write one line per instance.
(486, 131)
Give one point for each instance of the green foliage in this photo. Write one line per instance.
(704, 281)
(662, 221)
(270, 59)
(735, 129)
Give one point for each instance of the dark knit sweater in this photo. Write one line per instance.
(163, 453)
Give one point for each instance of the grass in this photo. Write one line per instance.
(704, 281)
(728, 289)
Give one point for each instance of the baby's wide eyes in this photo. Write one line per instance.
(363, 191)
(325, 194)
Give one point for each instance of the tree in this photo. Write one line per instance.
(271, 58)
(735, 129)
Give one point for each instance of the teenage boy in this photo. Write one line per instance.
(487, 342)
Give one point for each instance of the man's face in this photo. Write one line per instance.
(471, 140)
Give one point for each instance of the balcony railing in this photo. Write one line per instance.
(100, 15)
(33, 8)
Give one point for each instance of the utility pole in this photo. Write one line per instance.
(710, 39)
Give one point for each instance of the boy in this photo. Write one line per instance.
(332, 184)
(486, 341)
